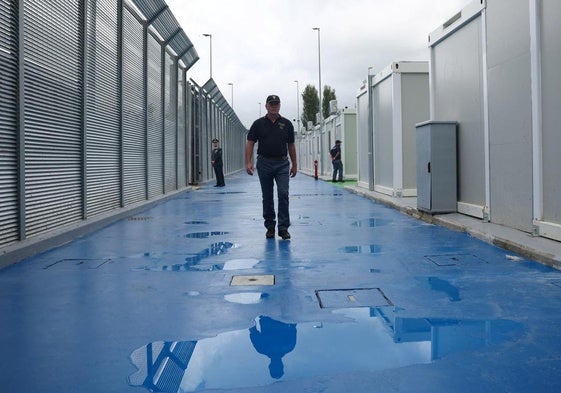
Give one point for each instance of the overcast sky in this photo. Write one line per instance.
(263, 46)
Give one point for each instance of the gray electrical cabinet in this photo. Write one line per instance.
(436, 166)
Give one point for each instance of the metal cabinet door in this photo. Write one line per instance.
(423, 168)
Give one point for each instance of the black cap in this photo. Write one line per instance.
(273, 98)
(215, 140)
(338, 141)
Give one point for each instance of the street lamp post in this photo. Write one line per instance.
(232, 94)
(298, 105)
(320, 104)
(210, 39)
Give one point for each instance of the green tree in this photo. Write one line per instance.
(310, 102)
(328, 95)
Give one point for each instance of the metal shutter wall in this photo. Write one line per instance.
(181, 130)
(53, 109)
(155, 134)
(8, 112)
(134, 137)
(170, 134)
(102, 115)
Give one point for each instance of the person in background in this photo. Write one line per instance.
(335, 154)
(217, 164)
(274, 136)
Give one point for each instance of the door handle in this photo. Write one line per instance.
(428, 167)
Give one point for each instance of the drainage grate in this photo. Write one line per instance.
(79, 263)
(255, 280)
(139, 218)
(204, 235)
(455, 259)
(357, 297)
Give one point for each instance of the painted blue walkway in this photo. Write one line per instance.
(362, 299)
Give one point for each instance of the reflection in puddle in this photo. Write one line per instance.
(193, 262)
(368, 249)
(440, 285)
(244, 297)
(204, 235)
(376, 339)
(371, 222)
(239, 264)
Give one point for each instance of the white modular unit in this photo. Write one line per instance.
(493, 68)
(364, 139)
(343, 126)
(545, 31)
(348, 132)
(458, 88)
(400, 99)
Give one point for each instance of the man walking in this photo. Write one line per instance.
(274, 136)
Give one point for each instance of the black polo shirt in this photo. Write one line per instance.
(272, 137)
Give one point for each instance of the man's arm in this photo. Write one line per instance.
(249, 156)
(292, 154)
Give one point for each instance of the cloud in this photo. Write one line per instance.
(263, 46)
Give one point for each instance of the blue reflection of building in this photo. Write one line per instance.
(164, 365)
(445, 335)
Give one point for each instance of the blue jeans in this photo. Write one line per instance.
(270, 172)
(337, 167)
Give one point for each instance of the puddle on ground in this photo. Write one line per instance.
(244, 297)
(204, 235)
(193, 262)
(240, 264)
(440, 285)
(366, 249)
(373, 339)
(371, 222)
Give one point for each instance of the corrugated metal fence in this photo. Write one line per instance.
(97, 112)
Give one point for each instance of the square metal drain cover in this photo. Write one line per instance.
(266, 279)
(455, 259)
(79, 263)
(357, 297)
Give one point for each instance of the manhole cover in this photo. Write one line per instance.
(358, 297)
(267, 279)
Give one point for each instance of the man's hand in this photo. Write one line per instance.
(293, 171)
(249, 169)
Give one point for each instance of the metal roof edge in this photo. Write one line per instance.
(460, 19)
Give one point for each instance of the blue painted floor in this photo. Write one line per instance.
(362, 299)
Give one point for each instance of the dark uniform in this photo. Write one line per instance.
(217, 164)
(337, 161)
(273, 166)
